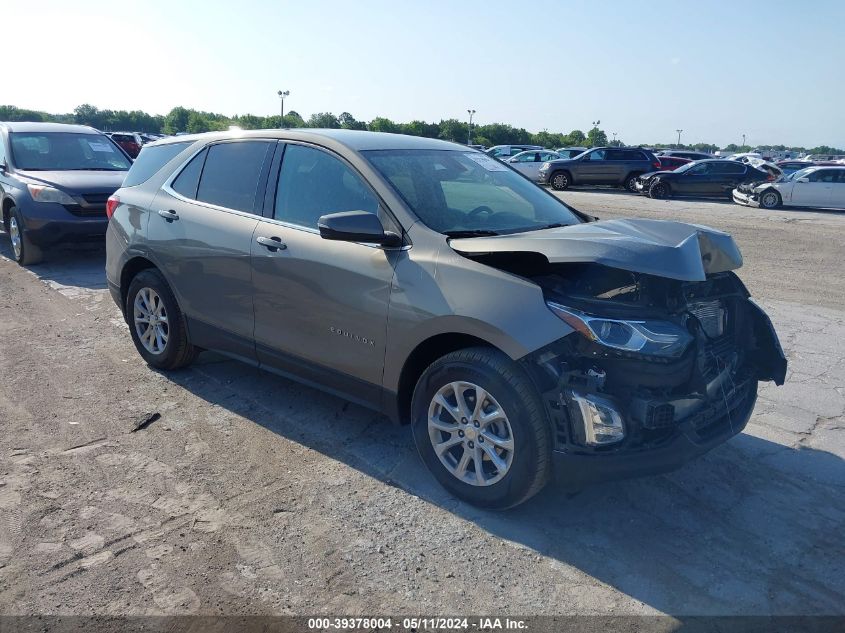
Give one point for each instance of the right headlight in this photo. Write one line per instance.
(545, 166)
(649, 337)
(43, 193)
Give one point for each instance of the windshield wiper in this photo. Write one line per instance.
(94, 169)
(470, 233)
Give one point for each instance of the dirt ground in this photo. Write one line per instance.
(254, 495)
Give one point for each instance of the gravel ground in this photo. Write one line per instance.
(254, 495)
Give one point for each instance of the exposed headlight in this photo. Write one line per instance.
(653, 338)
(545, 166)
(43, 193)
(602, 422)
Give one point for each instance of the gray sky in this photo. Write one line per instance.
(774, 70)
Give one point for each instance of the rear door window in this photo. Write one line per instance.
(232, 173)
(150, 160)
(314, 183)
(188, 180)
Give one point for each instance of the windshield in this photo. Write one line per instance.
(466, 193)
(60, 151)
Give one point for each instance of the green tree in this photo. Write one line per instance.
(454, 130)
(86, 114)
(576, 138)
(381, 124)
(197, 123)
(176, 120)
(349, 122)
(323, 120)
(596, 137)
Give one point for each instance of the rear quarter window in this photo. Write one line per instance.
(150, 160)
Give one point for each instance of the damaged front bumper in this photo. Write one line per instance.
(614, 416)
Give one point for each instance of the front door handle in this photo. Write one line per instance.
(272, 243)
(168, 215)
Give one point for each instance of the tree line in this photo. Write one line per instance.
(181, 119)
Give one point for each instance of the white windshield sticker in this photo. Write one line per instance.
(100, 146)
(489, 163)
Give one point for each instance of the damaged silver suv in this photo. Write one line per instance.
(520, 338)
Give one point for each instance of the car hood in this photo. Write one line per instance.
(77, 181)
(656, 247)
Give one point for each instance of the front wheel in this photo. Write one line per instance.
(631, 182)
(560, 180)
(156, 323)
(658, 190)
(480, 428)
(770, 199)
(23, 250)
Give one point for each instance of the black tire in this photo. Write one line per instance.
(178, 351)
(631, 181)
(508, 384)
(25, 252)
(659, 190)
(560, 180)
(770, 199)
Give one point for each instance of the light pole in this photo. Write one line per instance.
(614, 139)
(679, 137)
(743, 140)
(282, 95)
(469, 129)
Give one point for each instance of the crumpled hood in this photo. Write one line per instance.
(656, 247)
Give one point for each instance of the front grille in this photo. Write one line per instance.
(86, 212)
(96, 199)
(711, 315)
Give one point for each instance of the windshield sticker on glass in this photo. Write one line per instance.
(490, 164)
(99, 146)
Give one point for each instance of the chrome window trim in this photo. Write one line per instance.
(167, 186)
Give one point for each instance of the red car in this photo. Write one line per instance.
(671, 163)
(129, 142)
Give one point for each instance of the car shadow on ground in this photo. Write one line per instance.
(754, 527)
(81, 264)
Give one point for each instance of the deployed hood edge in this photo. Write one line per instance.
(676, 250)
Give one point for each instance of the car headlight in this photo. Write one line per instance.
(545, 167)
(43, 193)
(649, 337)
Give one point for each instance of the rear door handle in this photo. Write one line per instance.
(272, 243)
(168, 215)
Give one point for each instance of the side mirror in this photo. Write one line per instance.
(803, 180)
(356, 226)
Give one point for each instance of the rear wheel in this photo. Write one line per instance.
(631, 182)
(559, 180)
(156, 323)
(659, 190)
(770, 199)
(23, 250)
(480, 428)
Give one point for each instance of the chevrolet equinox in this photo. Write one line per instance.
(520, 338)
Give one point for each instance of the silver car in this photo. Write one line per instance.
(519, 338)
(529, 163)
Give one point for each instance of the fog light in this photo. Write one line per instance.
(602, 422)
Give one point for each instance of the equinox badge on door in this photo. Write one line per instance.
(354, 337)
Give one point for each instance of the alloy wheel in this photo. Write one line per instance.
(470, 433)
(151, 323)
(15, 236)
(769, 200)
(560, 181)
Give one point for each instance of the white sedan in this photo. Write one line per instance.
(529, 163)
(822, 187)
